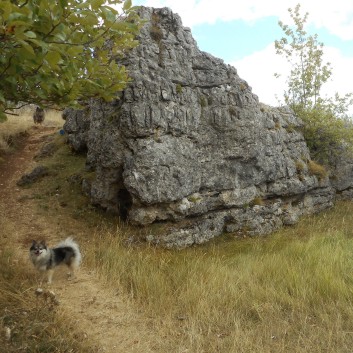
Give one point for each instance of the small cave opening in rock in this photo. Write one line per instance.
(125, 203)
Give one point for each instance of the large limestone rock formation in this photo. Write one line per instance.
(188, 146)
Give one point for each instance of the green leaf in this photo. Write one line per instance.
(26, 46)
(6, 10)
(39, 43)
(74, 50)
(108, 14)
(127, 5)
(53, 58)
(30, 34)
(63, 3)
(96, 4)
(60, 36)
(15, 16)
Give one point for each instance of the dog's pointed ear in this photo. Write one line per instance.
(34, 242)
(43, 243)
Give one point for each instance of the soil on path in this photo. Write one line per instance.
(109, 320)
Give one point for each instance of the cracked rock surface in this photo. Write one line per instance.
(188, 146)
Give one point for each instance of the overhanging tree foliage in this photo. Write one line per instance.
(327, 127)
(55, 53)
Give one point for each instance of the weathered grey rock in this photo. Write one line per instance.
(188, 145)
(47, 150)
(76, 126)
(36, 174)
(342, 175)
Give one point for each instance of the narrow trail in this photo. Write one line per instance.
(107, 318)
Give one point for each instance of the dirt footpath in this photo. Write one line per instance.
(108, 319)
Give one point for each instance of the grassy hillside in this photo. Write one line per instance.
(291, 291)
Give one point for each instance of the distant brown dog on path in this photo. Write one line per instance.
(38, 116)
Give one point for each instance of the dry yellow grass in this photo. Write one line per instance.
(30, 323)
(16, 126)
(289, 292)
(317, 169)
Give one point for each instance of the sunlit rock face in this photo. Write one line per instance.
(188, 146)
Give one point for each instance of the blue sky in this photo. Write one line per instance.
(233, 40)
(242, 33)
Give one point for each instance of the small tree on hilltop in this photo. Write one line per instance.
(55, 53)
(326, 124)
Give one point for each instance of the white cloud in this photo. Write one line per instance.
(336, 16)
(258, 70)
(341, 69)
(195, 12)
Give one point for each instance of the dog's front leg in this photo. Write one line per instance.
(50, 275)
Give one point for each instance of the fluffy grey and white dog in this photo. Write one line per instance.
(46, 259)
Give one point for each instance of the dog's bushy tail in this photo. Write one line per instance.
(69, 242)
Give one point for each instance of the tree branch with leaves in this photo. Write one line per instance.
(56, 53)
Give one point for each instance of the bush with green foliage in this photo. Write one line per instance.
(55, 53)
(327, 128)
(326, 135)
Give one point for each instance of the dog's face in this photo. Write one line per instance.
(38, 248)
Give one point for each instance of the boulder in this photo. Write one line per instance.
(188, 146)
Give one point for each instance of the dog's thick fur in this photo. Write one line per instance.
(46, 259)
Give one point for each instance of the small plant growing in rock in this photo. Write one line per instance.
(243, 86)
(157, 135)
(300, 166)
(155, 31)
(195, 198)
(203, 101)
(264, 108)
(290, 128)
(258, 201)
(317, 169)
(232, 111)
(179, 88)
